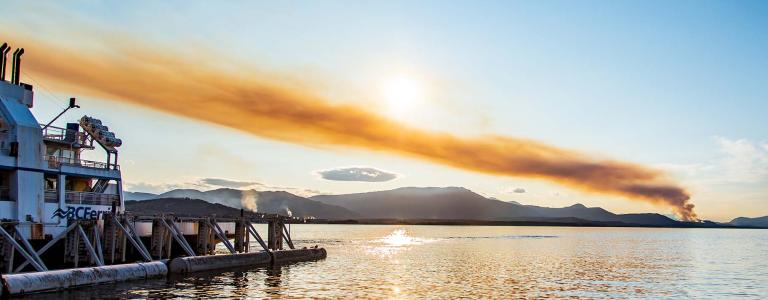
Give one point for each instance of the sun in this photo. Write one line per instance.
(402, 95)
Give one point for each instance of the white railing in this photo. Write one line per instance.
(89, 198)
(54, 162)
(69, 136)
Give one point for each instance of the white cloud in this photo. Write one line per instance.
(365, 174)
(229, 183)
(743, 160)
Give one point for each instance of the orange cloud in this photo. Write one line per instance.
(163, 80)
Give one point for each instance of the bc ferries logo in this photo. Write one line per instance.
(79, 213)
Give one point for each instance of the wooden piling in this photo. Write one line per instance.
(275, 233)
(114, 241)
(205, 238)
(75, 250)
(240, 235)
(160, 242)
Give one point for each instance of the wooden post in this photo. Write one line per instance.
(168, 243)
(275, 233)
(76, 249)
(159, 243)
(240, 235)
(271, 234)
(247, 239)
(204, 238)
(114, 240)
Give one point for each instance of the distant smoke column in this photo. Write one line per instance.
(249, 200)
(287, 211)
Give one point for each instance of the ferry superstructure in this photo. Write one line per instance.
(44, 182)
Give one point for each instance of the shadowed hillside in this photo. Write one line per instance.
(462, 204)
(761, 222)
(265, 202)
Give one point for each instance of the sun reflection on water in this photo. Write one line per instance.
(397, 241)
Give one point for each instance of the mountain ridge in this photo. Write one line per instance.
(279, 202)
(760, 222)
(428, 203)
(461, 203)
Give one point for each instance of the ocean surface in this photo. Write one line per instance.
(389, 261)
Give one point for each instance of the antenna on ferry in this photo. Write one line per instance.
(4, 49)
(71, 105)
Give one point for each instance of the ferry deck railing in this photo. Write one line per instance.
(90, 198)
(86, 198)
(58, 134)
(55, 162)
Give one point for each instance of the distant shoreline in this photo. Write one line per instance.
(186, 207)
(583, 223)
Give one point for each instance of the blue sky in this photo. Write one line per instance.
(678, 85)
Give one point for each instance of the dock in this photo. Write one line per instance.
(122, 247)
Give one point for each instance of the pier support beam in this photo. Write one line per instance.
(275, 234)
(48, 245)
(178, 236)
(240, 235)
(160, 243)
(114, 241)
(206, 240)
(131, 236)
(11, 239)
(255, 234)
(221, 235)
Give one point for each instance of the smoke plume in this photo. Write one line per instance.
(250, 102)
(249, 200)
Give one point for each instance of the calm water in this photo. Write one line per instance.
(491, 262)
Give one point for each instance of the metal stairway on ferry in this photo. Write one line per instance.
(100, 186)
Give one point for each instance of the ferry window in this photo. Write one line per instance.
(50, 182)
(67, 154)
(5, 190)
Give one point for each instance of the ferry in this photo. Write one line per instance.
(44, 182)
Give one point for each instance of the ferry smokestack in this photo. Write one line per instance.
(16, 66)
(3, 58)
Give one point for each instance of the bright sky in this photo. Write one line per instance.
(676, 85)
